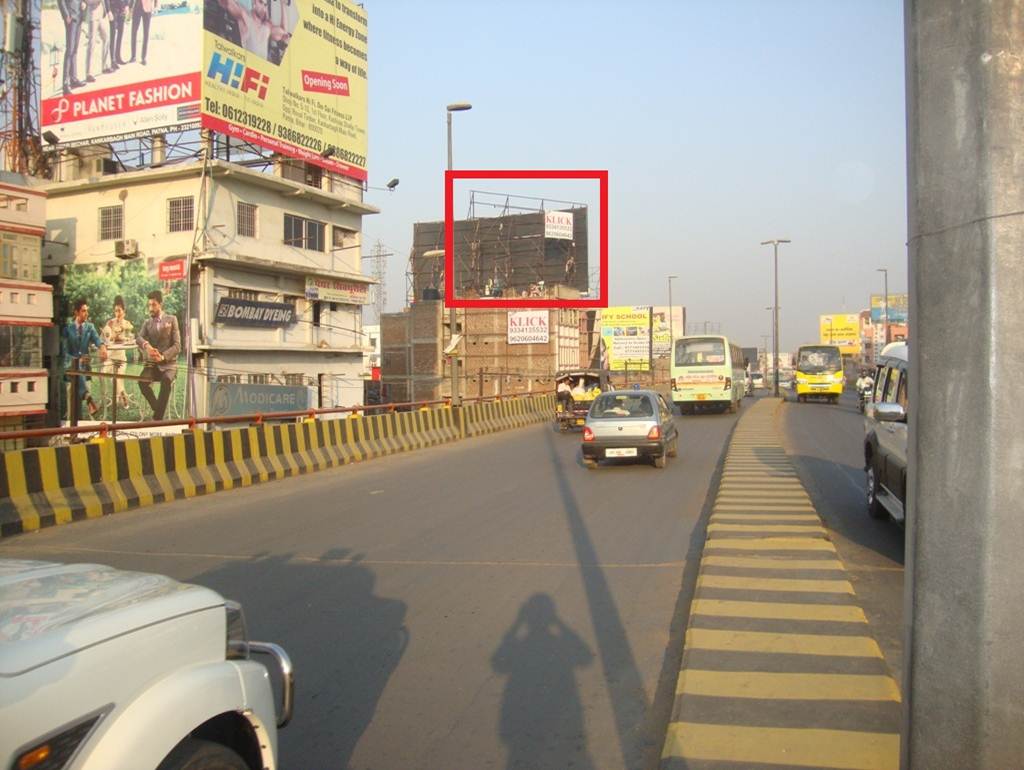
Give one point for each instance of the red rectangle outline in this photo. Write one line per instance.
(449, 238)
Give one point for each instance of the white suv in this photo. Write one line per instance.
(885, 439)
(102, 669)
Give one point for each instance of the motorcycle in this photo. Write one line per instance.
(867, 389)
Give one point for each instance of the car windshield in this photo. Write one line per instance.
(700, 352)
(617, 406)
(818, 360)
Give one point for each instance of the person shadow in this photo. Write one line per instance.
(541, 712)
(344, 640)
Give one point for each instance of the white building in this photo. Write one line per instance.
(26, 306)
(277, 254)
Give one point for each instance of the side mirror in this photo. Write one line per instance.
(890, 413)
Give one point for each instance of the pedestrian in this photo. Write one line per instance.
(160, 342)
(80, 336)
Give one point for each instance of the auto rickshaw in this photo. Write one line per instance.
(586, 385)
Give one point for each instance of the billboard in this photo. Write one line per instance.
(662, 330)
(145, 344)
(337, 290)
(287, 75)
(842, 329)
(230, 399)
(528, 327)
(898, 304)
(558, 224)
(111, 69)
(626, 334)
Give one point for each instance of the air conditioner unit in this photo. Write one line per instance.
(101, 166)
(126, 249)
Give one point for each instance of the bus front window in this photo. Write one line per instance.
(819, 361)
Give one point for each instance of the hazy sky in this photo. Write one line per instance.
(721, 124)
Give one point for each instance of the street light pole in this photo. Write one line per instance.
(775, 320)
(452, 314)
(885, 301)
(671, 325)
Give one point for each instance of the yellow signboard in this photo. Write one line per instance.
(289, 76)
(626, 333)
(842, 329)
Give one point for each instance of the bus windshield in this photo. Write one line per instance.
(700, 352)
(819, 360)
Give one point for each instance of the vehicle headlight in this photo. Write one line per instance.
(801, 380)
(838, 377)
(237, 637)
(58, 751)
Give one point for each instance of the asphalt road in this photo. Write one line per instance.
(826, 444)
(490, 603)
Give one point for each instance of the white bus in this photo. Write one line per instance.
(706, 371)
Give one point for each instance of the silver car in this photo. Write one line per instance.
(630, 423)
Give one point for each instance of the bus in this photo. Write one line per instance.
(706, 371)
(819, 373)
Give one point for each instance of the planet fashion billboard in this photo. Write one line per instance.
(287, 75)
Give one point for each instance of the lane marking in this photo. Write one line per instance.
(788, 686)
(770, 529)
(739, 517)
(825, 645)
(804, 747)
(767, 562)
(771, 544)
(726, 608)
(777, 584)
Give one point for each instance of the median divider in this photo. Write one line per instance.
(45, 486)
(779, 666)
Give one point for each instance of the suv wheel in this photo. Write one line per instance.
(194, 754)
(875, 508)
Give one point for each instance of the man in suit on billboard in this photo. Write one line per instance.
(72, 12)
(160, 342)
(118, 11)
(142, 11)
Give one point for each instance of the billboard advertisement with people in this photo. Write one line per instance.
(123, 330)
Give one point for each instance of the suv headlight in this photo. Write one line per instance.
(58, 749)
(237, 641)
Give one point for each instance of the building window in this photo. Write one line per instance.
(246, 294)
(247, 219)
(14, 297)
(180, 214)
(317, 311)
(342, 238)
(111, 223)
(258, 379)
(21, 346)
(304, 233)
(294, 379)
(31, 386)
(236, 378)
(30, 298)
(14, 386)
(314, 175)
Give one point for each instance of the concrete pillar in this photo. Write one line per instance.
(964, 675)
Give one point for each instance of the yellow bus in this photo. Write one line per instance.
(706, 371)
(819, 373)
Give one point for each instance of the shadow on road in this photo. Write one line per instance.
(541, 711)
(353, 638)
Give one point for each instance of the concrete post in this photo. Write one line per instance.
(964, 672)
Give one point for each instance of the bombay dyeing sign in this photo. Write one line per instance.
(528, 327)
(245, 312)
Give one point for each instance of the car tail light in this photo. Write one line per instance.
(728, 383)
(654, 433)
(588, 434)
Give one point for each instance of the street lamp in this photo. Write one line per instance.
(885, 301)
(671, 325)
(775, 324)
(452, 316)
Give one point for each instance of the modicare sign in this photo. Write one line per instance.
(528, 327)
(245, 312)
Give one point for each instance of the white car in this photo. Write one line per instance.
(102, 669)
(757, 380)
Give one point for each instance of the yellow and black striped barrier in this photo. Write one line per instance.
(779, 665)
(55, 485)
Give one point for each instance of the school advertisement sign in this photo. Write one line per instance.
(528, 327)
(626, 334)
(287, 75)
(842, 329)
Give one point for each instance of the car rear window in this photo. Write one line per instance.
(616, 407)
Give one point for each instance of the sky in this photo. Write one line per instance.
(721, 124)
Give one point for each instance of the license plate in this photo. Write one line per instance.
(701, 396)
(624, 452)
(580, 422)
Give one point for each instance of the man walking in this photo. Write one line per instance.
(160, 342)
(80, 336)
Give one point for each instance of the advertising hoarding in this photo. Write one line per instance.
(528, 327)
(842, 329)
(337, 290)
(662, 330)
(898, 304)
(117, 295)
(558, 225)
(289, 76)
(234, 311)
(230, 399)
(111, 69)
(626, 334)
